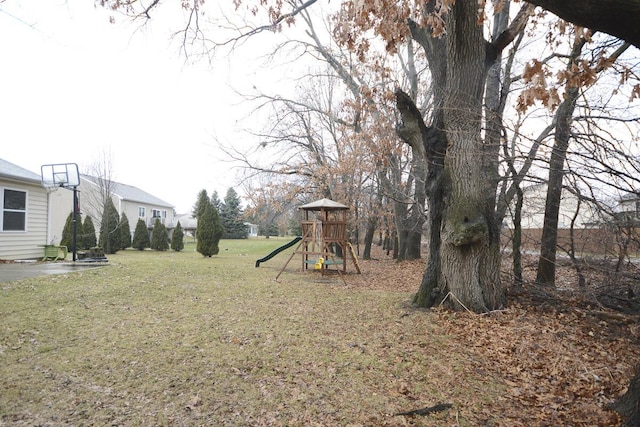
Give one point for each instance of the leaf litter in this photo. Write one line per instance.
(559, 362)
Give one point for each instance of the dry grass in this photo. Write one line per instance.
(178, 339)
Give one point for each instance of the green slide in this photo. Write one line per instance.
(277, 251)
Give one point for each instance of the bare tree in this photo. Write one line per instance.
(100, 173)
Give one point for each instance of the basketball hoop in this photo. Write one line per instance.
(60, 175)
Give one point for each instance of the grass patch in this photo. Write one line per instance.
(166, 338)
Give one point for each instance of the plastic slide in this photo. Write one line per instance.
(278, 250)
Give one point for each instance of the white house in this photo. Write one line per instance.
(533, 207)
(23, 214)
(253, 229)
(628, 207)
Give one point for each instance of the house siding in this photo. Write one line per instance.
(16, 245)
(61, 202)
(533, 209)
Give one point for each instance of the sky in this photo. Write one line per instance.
(75, 86)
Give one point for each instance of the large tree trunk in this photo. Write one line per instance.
(434, 143)
(470, 255)
(464, 251)
(628, 405)
(463, 266)
(429, 292)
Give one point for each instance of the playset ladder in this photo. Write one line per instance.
(353, 256)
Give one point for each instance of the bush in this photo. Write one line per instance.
(88, 234)
(141, 236)
(67, 233)
(110, 235)
(177, 238)
(125, 232)
(159, 238)
(231, 215)
(209, 231)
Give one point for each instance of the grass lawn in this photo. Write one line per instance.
(167, 338)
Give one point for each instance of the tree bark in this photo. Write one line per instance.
(433, 140)
(517, 239)
(431, 289)
(368, 237)
(628, 405)
(433, 143)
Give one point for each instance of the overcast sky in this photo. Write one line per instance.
(74, 85)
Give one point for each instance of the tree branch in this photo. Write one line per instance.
(618, 18)
(412, 128)
(272, 26)
(153, 4)
(507, 36)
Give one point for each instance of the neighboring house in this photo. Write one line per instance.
(594, 232)
(23, 215)
(188, 224)
(534, 203)
(253, 229)
(134, 202)
(628, 208)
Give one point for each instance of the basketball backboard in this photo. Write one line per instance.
(60, 175)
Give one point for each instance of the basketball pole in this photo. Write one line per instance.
(75, 221)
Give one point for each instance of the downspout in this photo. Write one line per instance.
(49, 220)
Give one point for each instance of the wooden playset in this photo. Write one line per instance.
(324, 242)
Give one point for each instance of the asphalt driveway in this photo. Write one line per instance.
(22, 270)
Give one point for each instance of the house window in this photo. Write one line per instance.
(142, 212)
(14, 210)
(155, 213)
